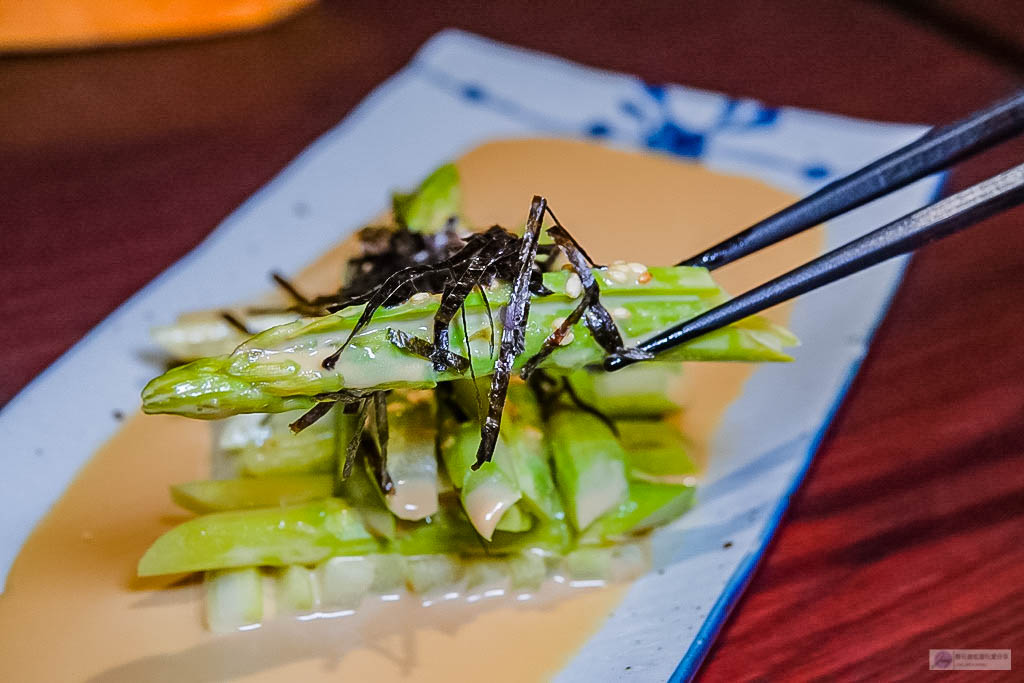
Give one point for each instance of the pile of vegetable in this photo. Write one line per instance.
(440, 418)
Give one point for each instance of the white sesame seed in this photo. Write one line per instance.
(573, 286)
(616, 275)
(621, 312)
(556, 323)
(637, 267)
(618, 262)
(567, 339)
(419, 297)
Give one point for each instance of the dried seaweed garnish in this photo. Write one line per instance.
(570, 391)
(468, 275)
(379, 458)
(597, 318)
(494, 254)
(386, 251)
(549, 389)
(568, 241)
(311, 416)
(513, 332)
(490, 321)
(424, 349)
(324, 404)
(352, 447)
(469, 356)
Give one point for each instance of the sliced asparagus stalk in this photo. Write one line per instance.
(412, 458)
(298, 589)
(427, 573)
(270, 448)
(234, 598)
(516, 519)
(433, 205)
(344, 581)
(589, 465)
(216, 495)
(613, 563)
(388, 572)
(656, 451)
(486, 573)
(640, 390)
(363, 494)
(302, 534)
(208, 333)
(450, 531)
(647, 506)
(527, 570)
(521, 430)
(281, 368)
(487, 493)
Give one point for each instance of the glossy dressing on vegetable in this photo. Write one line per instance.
(73, 609)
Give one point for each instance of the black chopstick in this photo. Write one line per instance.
(933, 222)
(936, 149)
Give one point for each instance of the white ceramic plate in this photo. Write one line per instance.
(459, 92)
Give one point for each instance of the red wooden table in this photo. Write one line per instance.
(907, 533)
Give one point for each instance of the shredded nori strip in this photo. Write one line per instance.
(424, 349)
(380, 461)
(490, 321)
(513, 332)
(352, 447)
(386, 251)
(486, 256)
(597, 318)
(570, 390)
(568, 241)
(549, 389)
(311, 416)
(324, 404)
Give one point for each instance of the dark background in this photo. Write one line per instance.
(908, 532)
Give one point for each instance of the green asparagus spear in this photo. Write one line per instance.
(521, 430)
(234, 598)
(611, 563)
(297, 589)
(260, 537)
(515, 519)
(647, 506)
(265, 446)
(411, 459)
(207, 333)
(437, 200)
(345, 581)
(589, 465)
(280, 369)
(640, 390)
(487, 493)
(655, 451)
(427, 573)
(217, 495)
(363, 494)
(450, 531)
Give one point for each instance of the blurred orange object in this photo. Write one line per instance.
(59, 24)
